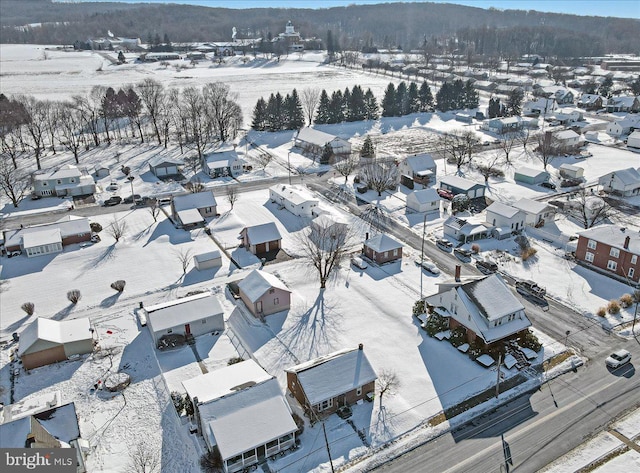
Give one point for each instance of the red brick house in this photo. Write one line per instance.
(611, 250)
(326, 383)
(48, 238)
(382, 249)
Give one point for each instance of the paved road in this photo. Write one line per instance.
(538, 427)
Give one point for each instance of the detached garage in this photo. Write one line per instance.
(203, 261)
(530, 176)
(162, 166)
(48, 341)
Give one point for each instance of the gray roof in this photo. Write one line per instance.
(381, 243)
(614, 236)
(199, 200)
(69, 225)
(420, 162)
(334, 374)
(503, 210)
(530, 172)
(258, 282)
(627, 177)
(531, 206)
(158, 159)
(183, 311)
(263, 233)
(460, 182)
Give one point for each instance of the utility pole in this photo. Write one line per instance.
(424, 230)
(326, 442)
(498, 380)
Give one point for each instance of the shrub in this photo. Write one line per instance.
(118, 285)
(211, 461)
(475, 248)
(436, 323)
(522, 241)
(74, 296)
(458, 336)
(613, 307)
(602, 311)
(299, 423)
(419, 308)
(529, 340)
(28, 307)
(95, 227)
(626, 300)
(528, 253)
(476, 348)
(234, 360)
(126, 170)
(178, 401)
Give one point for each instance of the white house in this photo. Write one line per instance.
(460, 185)
(624, 126)
(189, 316)
(313, 141)
(67, 180)
(222, 163)
(240, 409)
(625, 182)
(464, 231)
(536, 213)
(505, 218)
(566, 139)
(530, 176)
(48, 238)
(293, 198)
(541, 106)
(425, 200)
(192, 209)
(623, 104)
(421, 168)
(633, 141)
(569, 115)
(209, 260)
(162, 166)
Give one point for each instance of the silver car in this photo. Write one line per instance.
(618, 358)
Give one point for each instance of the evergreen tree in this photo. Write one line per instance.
(336, 113)
(413, 101)
(327, 154)
(389, 101)
(402, 103)
(458, 101)
(494, 107)
(367, 151)
(371, 105)
(274, 112)
(471, 96)
(635, 86)
(426, 97)
(605, 87)
(293, 111)
(331, 48)
(443, 97)
(259, 121)
(346, 101)
(356, 106)
(322, 114)
(514, 102)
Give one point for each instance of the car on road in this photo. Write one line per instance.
(444, 245)
(358, 262)
(618, 358)
(429, 266)
(113, 200)
(131, 199)
(113, 186)
(487, 267)
(548, 185)
(462, 254)
(445, 194)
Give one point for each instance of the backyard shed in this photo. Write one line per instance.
(213, 259)
(530, 176)
(570, 171)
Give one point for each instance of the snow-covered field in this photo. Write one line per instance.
(372, 307)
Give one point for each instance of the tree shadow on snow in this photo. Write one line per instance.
(62, 314)
(111, 300)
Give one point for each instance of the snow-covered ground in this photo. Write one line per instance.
(372, 307)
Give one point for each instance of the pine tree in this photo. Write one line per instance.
(336, 114)
(458, 98)
(259, 121)
(293, 111)
(346, 101)
(356, 106)
(371, 105)
(635, 86)
(514, 102)
(494, 107)
(402, 104)
(327, 154)
(413, 101)
(367, 151)
(426, 97)
(274, 112)
(471, 96)
(443, 97)
(322, 114)
(389, 101)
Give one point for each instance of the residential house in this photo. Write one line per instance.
(324, 384)
(241, 411)
(485, 85)
(624, 126)
(561, 95)
(541, 106)
(313, 141)
(592, 102)
(633, 141)
(536, 213)
(425, 200)
(624, 182)
(47, 341)
(421, 168)
(530, 176)
(566, 140)
(505, 219)
(568, 116)
(101, 170)
(506, 89)
(464, 231)
(264, 294)
(623, 104)
(223, 162)
(570, 171)
(294, 198)
(612, 250)
(260, 239)
(48, 238)
(162, 166)
(503, 125)
(460, 185)
(188, 317)
(193, 209)
(65, 181)
(209, 260)
(382, 249)
(485, 307)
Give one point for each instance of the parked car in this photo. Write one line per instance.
(35, 197)
(570, 182)
(429, 267)
(95, 238)
(11, 254)
(164, 200)
(462, 254)
(114, 200)
(618, 358)
(358, 262)
(487, 267)
(548, 185)
(113, 186)
(445, 194)
(444, 245)
(132, 198)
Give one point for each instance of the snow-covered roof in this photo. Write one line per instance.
(46, 236)
(531, 206)
(190, 216)
(263, 233)
(247, 418)
(63, 172)
(424, 196)
(625, 101)
(225, 381)
(258, 282)
(29, 406)
(530, 172)
(313, 136)
(60, 332)
(199, 200)
(565, 135)
(503, 210)
(571, 167)
(629, 177)
(202, 257)
(66, 226)
(61, 422)
(459, 182)
(334, 374)
(591, 98)
(183, 311)
(420, 162)
(614, 236)
(381, 243)
(158, 159)
(294, 194)
(492, 297)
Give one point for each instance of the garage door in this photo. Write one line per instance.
(261, 248)
(161, 171)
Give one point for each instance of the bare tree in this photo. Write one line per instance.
(347, 166)
(184, 256)
(309, 99)
(232, 195)
(11, 143)
(151, 93)
(154, 209)
(69, 126)
(546, 150)
(380, 175)
(196, 186)
(324, 246)
(89, 116)
(35, 126)
(74, 296)
(491, 168)
(507, 142)
(264, 159)
(117, 229)
(223, 110)
(590, 210)
(458, 147)
(144, 458)
(13, 182)
(197, 126)
(388, 382)
(525, 137)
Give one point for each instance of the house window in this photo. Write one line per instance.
(45, 183)
(634, 259)
(592, 244)
(395, 252)
(170, 330)
(615, 252)
(276, 301)
(631, 272)
(325, 405)
(271, 291)
(72, 180)
(59, 181)
(204, 321)
(207, 210)
(588, 257)
(359, 391)
(612, 265)
(386, 254)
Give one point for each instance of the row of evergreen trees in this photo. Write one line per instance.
(349, 106)
(403, 100)
(456, 95)
(278, 113)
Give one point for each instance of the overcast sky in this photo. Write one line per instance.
(617, 8)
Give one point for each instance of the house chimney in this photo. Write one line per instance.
(627, 239)
(360, 346)
(458, 268)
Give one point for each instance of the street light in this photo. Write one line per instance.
(130, 178)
